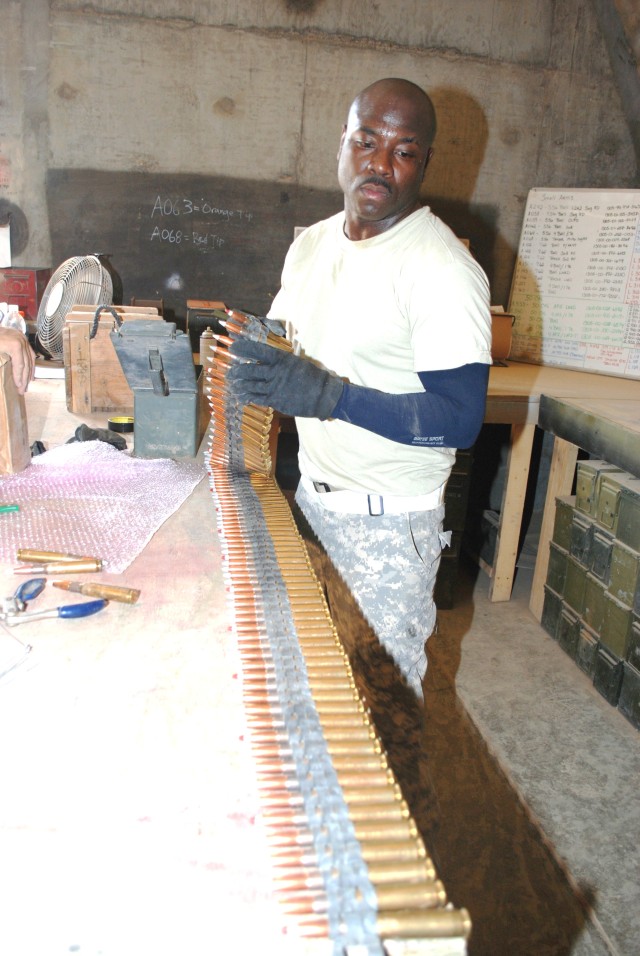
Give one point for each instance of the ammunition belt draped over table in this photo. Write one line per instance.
(348, 863)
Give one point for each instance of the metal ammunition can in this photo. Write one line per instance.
(551, 610)
(607, 676)
(568, 631)
(625, 572)
(581, 538)
(565, 507)
(601, 545)
(628, 529)
(557, 569)
(616, 627)
(629, 700)
(574, 585)
(633, 654)
(456, 500)
(593, 612)
(586, 650)
(608, 500)
(588, 475)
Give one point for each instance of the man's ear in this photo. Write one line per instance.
(427, 160)
(344, 130)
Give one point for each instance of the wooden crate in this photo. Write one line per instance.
(15, 453)
(94, 378)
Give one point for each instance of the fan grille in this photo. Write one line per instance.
(81, 280)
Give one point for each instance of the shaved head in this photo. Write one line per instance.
(396, 90)
(383, 155)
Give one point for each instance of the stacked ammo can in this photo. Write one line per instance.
(592, 594)
(456, 499)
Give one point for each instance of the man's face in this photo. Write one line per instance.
(383, 154)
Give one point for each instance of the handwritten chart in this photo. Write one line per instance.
(576, 286)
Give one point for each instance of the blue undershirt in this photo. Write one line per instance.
(448, 414)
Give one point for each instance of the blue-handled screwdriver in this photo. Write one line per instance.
(65, 611)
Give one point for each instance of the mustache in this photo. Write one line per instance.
(376, 181)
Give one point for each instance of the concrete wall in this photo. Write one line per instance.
(259, 90)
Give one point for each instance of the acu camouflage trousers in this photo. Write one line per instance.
(389, 563)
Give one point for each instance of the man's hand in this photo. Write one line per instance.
(256, 327)
(23, 360)
(273, 377)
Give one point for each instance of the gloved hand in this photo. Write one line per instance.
(276, 378)
(86, 433)
(255, 327)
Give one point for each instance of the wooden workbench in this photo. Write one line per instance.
(128, 805)
(514, 395)
(130, 813)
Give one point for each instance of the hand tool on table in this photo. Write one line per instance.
(65, 611)
(110, 592)
(13, 606)
(13, 610)
(25, 592)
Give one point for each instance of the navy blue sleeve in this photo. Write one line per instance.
(447, 414)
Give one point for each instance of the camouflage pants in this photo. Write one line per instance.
(389, 563)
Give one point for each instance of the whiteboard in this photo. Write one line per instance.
(575, 292)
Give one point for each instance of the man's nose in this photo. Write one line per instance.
(380, 162)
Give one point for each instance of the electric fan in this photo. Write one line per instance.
(81, 280)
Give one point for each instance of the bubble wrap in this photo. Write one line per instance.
(88, 498)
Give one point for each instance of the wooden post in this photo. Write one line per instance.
(561, 473)
(506, 551)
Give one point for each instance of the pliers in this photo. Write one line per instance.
(14, 607)
(17, 603)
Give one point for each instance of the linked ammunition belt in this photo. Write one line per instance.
(348, 862)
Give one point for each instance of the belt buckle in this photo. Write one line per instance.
(321, 487)
(376, 514)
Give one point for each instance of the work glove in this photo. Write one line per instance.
(86, 433)
(274, 377)
(255, 327)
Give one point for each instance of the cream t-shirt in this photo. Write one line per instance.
(376, 312)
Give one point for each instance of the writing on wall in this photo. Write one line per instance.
(198, 222)
(177, 237)
(576, 285)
